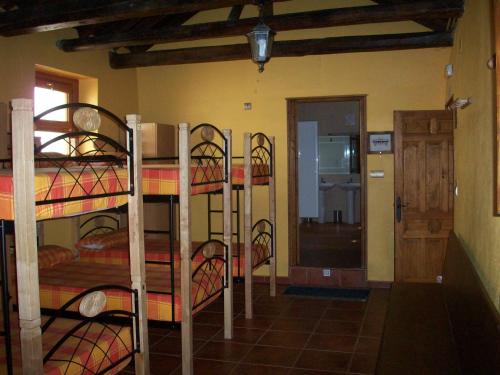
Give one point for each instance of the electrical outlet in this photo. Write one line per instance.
(247, 106)
(327, 272)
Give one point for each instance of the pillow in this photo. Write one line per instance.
(50, 255)
(104, 241)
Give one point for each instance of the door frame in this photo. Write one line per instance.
(293, 212)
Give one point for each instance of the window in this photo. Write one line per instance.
(52, 90)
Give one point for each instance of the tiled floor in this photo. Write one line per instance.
(330, 245)
(288, 335)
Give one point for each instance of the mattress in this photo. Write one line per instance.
(52, 183)
(158, 250)
(116, 340)
(260, 174)
(64, 281)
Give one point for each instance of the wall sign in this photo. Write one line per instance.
(380, 143)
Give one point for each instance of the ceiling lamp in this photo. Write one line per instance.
(261, 40)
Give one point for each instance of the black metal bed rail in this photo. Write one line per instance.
(89, 152)
(108, 323)
(262, 242)
(211, 275)
(99, 229)
(262, 155)
(212, 233)
(210, 155)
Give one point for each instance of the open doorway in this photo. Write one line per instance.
(327, 194)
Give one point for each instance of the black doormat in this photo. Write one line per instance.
(333, 293)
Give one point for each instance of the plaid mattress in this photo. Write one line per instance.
(238, 174)
(50, 255)
(51, 184)
(116, 347)
(158, 250)
(63, 281)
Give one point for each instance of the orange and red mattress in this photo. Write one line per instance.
(75, 182)
(79, 353)
(116, 251)
(64, 281)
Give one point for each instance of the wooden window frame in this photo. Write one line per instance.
(59, 83)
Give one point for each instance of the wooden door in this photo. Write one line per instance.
(423, 193)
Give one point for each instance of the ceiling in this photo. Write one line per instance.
(163, 32)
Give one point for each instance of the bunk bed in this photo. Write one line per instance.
(103, 242)
(92, 177)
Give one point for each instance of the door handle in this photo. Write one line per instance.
(399, 205)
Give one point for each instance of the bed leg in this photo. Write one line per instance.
(185, 243)
(247, 153)
(25, 225)
(228, 239)
(272, 219)
(137, 257)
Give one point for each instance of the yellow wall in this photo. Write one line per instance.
(117, 90)
(215, 92)
(474, 143)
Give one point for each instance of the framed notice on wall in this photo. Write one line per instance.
(380, 143)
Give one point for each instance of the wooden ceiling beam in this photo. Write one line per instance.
(47, 15)
(306, 20)
(435, 24)
(348, 44)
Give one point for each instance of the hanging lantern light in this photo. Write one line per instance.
(261, 41)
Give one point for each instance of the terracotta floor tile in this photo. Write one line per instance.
(344, 315)
(372, 329)
(270, 355)
(247, 369)
(312, 372)
(368, 345)
(347, 305)
(207, 317)
(303, 312)
(242, 335)
(289, 324)
(161, 364)
(172, 345)
(258, 322)
(200, 331)
(208, 367)
(332, 342)
(267, 309)
(325, 361)
(223, 351)
(285, 339)
(363, 364)
(338, 328)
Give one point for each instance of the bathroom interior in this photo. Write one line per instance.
(329, 184)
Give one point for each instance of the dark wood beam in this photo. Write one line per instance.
(235, 13)
(315, 19)
(348, 44)
(48, 15)
(435, 24)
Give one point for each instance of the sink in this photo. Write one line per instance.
(351, 188)
(324, 186)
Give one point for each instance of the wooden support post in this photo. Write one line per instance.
(25, 227)
(247, 168)
(136, 238)
(228, 238)
(272, 219)
(185, 244)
